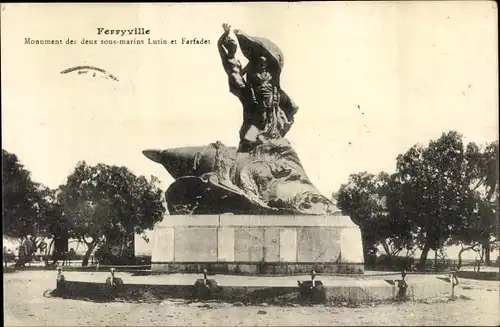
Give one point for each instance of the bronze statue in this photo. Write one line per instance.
(264, 97)
(268, 112)
(264, 174)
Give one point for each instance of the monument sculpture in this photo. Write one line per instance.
(264, 174)
(280, 221)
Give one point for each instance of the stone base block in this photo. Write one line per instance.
(257, 245)
(268, 268)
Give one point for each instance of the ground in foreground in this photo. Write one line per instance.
(26, 305)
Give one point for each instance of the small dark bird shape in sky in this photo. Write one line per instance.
(86, 69)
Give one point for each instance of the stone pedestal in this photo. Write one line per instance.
(257, 245)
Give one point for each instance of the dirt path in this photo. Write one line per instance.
(25, 305)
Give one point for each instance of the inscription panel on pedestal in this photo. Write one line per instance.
(163, 245)
(288, 245)
(225, 246)
(352, 245)
(248, 244)
(195, 244)
(272, 245)
(318, 244)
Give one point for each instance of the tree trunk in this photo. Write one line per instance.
(423, 256)
(459, 264)
(386, 248)
(86, 257)
(489, 197)
(481, 259)
(129, 247)
(487, 251)
(132, 246)
(47, 252)
(436, 259)
(389, 253)
(367, 244)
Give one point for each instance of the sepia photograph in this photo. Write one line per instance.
(250, 164)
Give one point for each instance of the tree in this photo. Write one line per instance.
(400, 231)
(373, 203)
(20, 196)
(52, 223)
(478, 229)
(29, 208)
(488, 179)
(109, 203)
(437, 183)
(441, 194)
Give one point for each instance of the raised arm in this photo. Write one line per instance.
(244, 70)
(222, 51)
(220, 44)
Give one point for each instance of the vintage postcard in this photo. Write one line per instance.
(266, 163)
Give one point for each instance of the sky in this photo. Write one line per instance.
(415, 69)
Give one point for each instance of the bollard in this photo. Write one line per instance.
(60, 280)
(454, 282)
(205, 289)
(402, 285)
(312, 290)
(113, 283)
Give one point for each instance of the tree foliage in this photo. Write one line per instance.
(373, 203)
(441, 194)
(20, 198)
(105, 202)
(478, 228)
(29, 208)
(434, 189)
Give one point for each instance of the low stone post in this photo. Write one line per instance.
(402, 286)
(454, 282)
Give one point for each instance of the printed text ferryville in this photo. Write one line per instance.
(134, 31)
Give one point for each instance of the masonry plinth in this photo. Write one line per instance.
(257, 245)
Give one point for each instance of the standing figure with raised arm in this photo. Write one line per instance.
(268, 112)
(263, 54)
(238, 86)
(227, 50)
